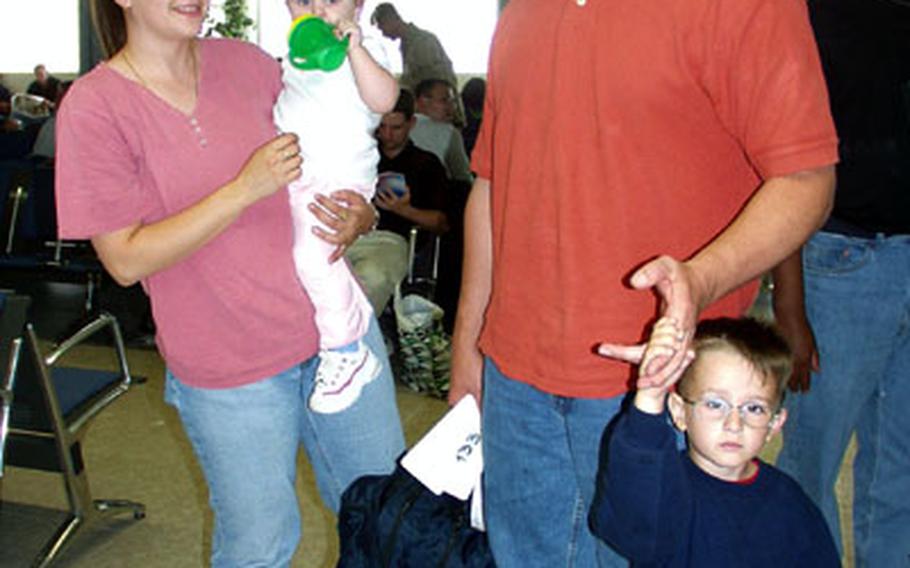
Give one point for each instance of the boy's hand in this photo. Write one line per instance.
(667, 339)
(349, 29)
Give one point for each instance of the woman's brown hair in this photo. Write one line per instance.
(110, 25)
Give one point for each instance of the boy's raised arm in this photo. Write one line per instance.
(641, 499)
(667, 338)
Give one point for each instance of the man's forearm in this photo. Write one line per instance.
(778, 219)
(478, 262)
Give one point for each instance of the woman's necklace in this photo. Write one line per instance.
(134, 71)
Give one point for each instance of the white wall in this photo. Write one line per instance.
(40, 31)
(47, 31)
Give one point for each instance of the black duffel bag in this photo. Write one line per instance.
(393, 520)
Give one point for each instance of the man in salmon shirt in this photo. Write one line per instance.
(683, 148)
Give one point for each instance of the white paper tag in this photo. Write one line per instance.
(477, 521)
(449, 457)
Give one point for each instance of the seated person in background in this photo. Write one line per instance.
(433, 131)
(379, 258)
(45, 85)
(6, 97)
(44, 143)
(472, 95)
(717, 505)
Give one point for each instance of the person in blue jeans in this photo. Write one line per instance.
(623, 149)
(856, 274)
(169, 161)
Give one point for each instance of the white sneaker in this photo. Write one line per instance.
(340, 378)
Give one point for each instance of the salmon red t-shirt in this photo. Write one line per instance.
(232, 312)
(617, 131)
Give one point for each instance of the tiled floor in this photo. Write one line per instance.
(136, 449)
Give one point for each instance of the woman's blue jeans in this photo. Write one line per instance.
(858, 304)
(246, 440)
(540, 461)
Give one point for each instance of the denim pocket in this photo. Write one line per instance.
(830, 253)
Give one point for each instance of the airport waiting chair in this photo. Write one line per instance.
(12, 323)
(28, 221)
(6, 400)
(52, 405)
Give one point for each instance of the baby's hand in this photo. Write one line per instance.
(349, 29)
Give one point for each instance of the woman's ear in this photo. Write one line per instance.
(677, 408)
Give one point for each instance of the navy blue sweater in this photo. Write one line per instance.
(657, 508)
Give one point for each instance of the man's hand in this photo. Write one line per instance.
(467, 372)
(682, 296)
(390, 201)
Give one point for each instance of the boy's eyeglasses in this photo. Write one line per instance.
(753, 413)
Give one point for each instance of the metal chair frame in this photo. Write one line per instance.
(68, 431)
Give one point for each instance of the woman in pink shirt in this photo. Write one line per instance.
(169, 162)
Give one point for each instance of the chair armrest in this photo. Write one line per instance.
(99, 323)
(6, 394)
(9, 377)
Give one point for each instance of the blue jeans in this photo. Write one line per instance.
(246, 440)
(858, 303)
(540, 462)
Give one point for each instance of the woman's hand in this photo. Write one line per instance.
(347, 214)
(132, 253)
(271, 167)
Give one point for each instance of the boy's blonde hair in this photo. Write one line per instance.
(757, 342)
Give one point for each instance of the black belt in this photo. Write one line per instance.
(841, 227)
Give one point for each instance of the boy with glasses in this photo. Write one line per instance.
(716, 504)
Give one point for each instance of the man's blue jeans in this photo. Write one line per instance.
(858, 303)
(540, 461)
(246, 440)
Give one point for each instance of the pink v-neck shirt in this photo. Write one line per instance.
(233, 312)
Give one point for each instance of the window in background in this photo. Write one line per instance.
(465, 28)
(42, 31)
(47, 31)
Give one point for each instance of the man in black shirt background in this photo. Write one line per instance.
(379, 259)
(45, 85)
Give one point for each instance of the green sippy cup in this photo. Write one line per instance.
(313, 45)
